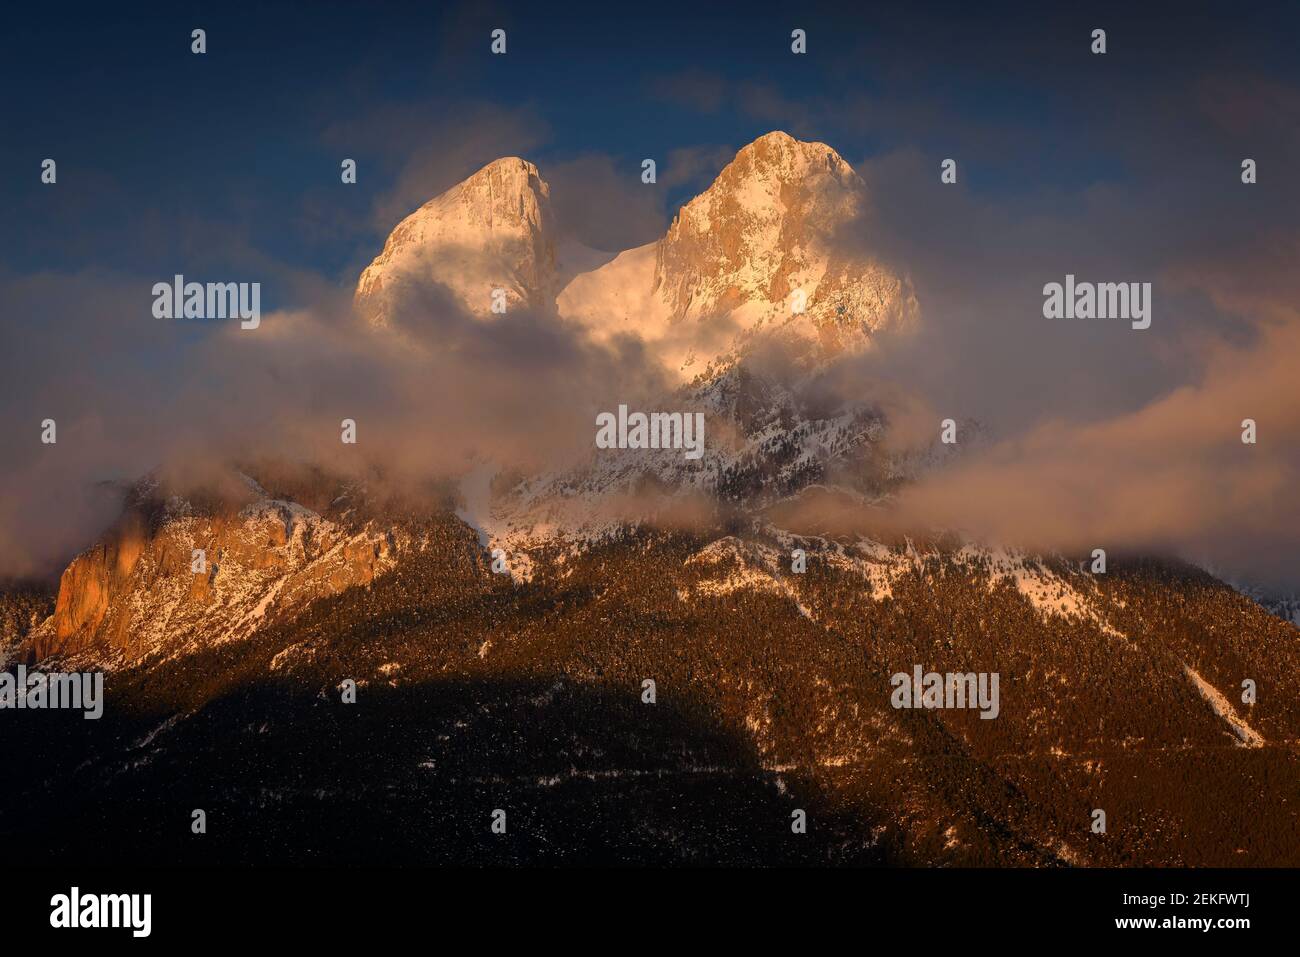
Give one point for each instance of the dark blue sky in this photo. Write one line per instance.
(170, 159)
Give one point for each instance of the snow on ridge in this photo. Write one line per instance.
(756, 569)
(1046, 591)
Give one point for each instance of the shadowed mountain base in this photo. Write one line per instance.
(772, 695)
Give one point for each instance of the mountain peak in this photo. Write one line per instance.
(764, 247)
(770, 226)
(492, 231)
(506, 177)
(776, 136)
(778, 154)
(780, 143)
(768, 246)
(508, 162)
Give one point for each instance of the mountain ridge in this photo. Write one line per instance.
(732, 263)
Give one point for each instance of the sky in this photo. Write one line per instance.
(226, 165)
(248, 137)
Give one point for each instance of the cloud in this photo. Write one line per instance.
(1171, 476)
(603, 204)
(130, 392)
(1102, 436)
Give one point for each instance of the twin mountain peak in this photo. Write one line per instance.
(779, 242)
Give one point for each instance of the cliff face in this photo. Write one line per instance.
(771, 226)
(136, 591)
(775, 244)
(492, 231)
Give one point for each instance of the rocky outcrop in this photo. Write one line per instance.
(770, 226)
(493, 231)
(776, 245)
(171, 573)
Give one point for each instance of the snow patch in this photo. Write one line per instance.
(1247, 737)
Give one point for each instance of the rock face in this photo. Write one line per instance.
(772, 245)
(493, 231)
(767, 228)
(136, 591)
